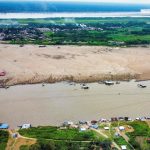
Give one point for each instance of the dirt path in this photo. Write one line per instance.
(15, 143)
(105, 136)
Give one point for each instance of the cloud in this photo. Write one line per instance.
(111, 1)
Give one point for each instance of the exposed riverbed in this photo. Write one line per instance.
(54, 103)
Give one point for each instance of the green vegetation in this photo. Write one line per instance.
(24, 147)
(78, 31)
(68, 145)
(57, 134)
(63, 139)
(3, 139)
(142, 130)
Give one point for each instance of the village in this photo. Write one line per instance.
(117, 129)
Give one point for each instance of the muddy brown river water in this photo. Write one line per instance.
(56, 103)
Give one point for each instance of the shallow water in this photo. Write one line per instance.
(55, 103)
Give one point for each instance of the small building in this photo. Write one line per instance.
(103, 120)
(114, 119)
(121, 118)
(117, 134)
(83, 129)
(14, 135)
(93, 122)
(94, 126)
(126, 118)
(67, 123)
(123, 147)
(121, 128)
(4, 126)
(106, 128)
(82, 122)
(26, 126)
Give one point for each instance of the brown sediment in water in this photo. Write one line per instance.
(31, 64)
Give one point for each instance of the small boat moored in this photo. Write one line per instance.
(108, 83)
(85, 87)
(141, 86)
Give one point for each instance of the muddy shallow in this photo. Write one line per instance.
(55, 103)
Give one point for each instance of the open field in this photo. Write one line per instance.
(32, 64)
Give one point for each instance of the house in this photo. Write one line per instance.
(106, 128)
(103, 120)
(82, 122)
(114, 119)
(4, 126)
(123, 147)
(67, 123)
(121, 118)
(117, 134)
(83, 129)
(26, 126)
(94, 126)
(93, 122)
(127, 118)
(121, 128)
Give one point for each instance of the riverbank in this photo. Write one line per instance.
(33, 64)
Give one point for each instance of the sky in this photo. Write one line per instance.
(117, 1)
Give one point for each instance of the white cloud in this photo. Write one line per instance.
(112, 1)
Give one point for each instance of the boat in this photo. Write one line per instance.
(84, 87)
(141, 86)
(108, 83)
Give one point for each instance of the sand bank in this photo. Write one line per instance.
(31, 64)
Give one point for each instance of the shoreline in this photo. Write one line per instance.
(50, 80)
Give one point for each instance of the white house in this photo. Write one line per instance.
(123, 147)
(121, 128)
(26, 126)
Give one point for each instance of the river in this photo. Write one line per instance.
(53, 104)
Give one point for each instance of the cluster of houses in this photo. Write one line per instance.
(34, 33)
(84, 125)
